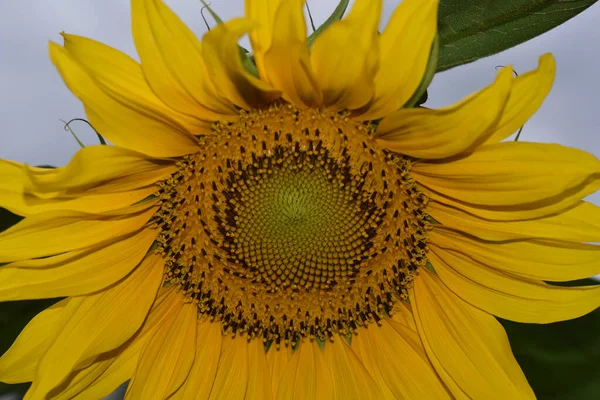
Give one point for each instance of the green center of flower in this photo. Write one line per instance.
(292, 224)
(298, 219)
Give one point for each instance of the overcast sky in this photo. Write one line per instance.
(33, 97)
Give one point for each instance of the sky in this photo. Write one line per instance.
(33, 98)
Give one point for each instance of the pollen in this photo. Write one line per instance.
(292, 224)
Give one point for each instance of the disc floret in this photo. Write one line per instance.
(291, 224)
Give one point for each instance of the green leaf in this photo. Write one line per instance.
(337, 15)
(560, 360)
(472, 29)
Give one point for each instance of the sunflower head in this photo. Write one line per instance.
(292, 223)
(292, 198)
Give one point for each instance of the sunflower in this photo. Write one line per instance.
(288, 228)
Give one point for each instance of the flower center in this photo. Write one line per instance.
(298, 220)
(292, 224)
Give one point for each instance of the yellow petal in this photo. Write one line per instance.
(259, 380)
(306, 375)
(12, 180)
(173, 64)
(405, 47)
(535, 259)
(150, 133)
(298, 380)
(91, 331)
(202, 374)
(507, 213)
(222, 56)
(402, 314)
(18, 194)
(109, 370)
(231, 379)
(345, 57)
(74, 273)
(526, 96)
(121, 77)
(263, 13)
(99, 169)
(515, 175)
(277, 360)
(467, 346)
(362, 348)
(166, 361)
(104, 375)
(20, 361)
(394, 356)
(350, 378)
(508, 296)
(580, 223)
(98, 179)
(27, 205)
(433, 134)
(83, 378)
(287, 62)
(55, 232)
